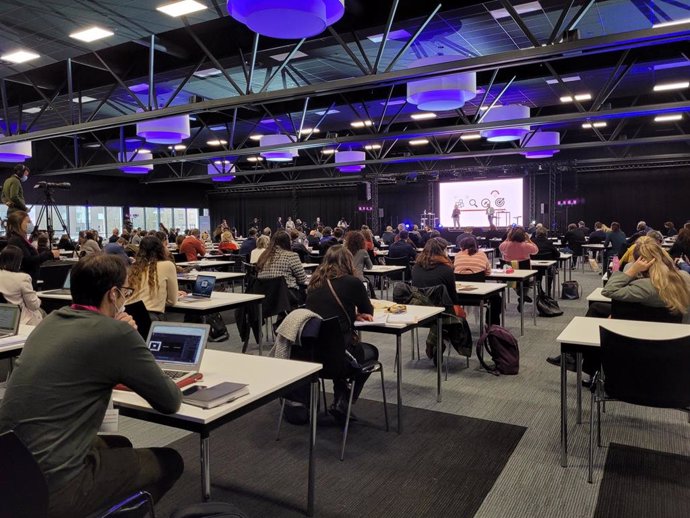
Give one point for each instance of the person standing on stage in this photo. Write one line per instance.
(490, 214)
(456, 216)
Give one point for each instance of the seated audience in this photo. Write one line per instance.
(368, 239)
(117, 248)
(682, 245)
(153, 278)
(584, 228)
(402, 247)
(614, 243)
(574, 239)
(356, 244)
(17, 225)
(598, 235)
(114, 236)
(628, 255)
(248, 244)
(280, 261)
(16, 286)
(388, 236)
(670, 229)
(297, 246)
(90, 245)
(58, 419)
(472, 260)
(192, 246)
(547, 252)
(227, 242)
(327, 240)
(261, 246)
(466, 233)
(434, 268)
(518, 247)
(65, 243)
(334, 291)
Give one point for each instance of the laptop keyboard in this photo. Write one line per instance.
(174, 374)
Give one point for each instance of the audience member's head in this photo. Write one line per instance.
(598, 225)
(267, 231)
(669, 225)
(251, 233)
(338, 233)
(615, 226)
(403, 235)
(656, 236)
(641, 225)
(469, 244)
(518, 235)
(195, 232)
(98, 280)
(354, 241)
(433, 254)
(280, 240)
(226, 237)
(263, 241)
(337, 262)
(327, 231)
(541, 232)
(17, 222)
(572, 226)
(294, 234)
(11, 258)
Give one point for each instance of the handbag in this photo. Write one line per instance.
(547, 306)
(355, 335)
(570, 290)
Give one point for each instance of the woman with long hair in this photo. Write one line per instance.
(16, 287)
(153, 277)
(334, 291)
(262, 243)
(472, 260)
(227, 242)
(433, 267)
(280, 261)
(355, 242)
(17, 225)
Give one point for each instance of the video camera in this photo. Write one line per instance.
(53, 185)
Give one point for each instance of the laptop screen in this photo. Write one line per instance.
(9, 318)
(177, 344)
(67, 283)
(203, 287)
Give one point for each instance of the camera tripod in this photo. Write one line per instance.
(45, 211)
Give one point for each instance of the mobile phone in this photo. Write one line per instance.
(191, 390)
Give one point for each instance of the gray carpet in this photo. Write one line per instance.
(641, 483)
(444, 465)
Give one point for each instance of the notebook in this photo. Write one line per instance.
(178, 348)
(220, 394)
(9, 320)
(65, 290)
(203, 287)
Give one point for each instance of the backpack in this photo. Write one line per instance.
(546, 305)
(503, 348)
(570, 290)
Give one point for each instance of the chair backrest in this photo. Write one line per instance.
(636, 311)
(23, 489)
(646, 372)
(53, 274)
(471, 277)
(141, 317)
(328, 349)
(3, 300)
(522, 265)
(179, 258)
(398, 261)
(275, 291)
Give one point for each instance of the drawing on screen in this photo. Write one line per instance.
(473, 203)
(500, 202)
(486, 203)
(155, 345)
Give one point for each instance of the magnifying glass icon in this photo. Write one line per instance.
(473, 203)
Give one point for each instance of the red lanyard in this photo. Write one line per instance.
(85, 308)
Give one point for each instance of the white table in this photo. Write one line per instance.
(268, 378)
(563, 261)
(596, 296)
(581, 334)
(190, 278)
(205, 263)
(596, 248)
(545, 265)
(423, 315)
(308, 266)
(481, 291)
(11, 346)
(382, 270)
(519, 276)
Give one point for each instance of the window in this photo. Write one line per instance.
(151, 218)
(77, 219)
(113, 218)
(180, 219)
(192, 218)
(57, 224)
(137, 215)
(166, 216)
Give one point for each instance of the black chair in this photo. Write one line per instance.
(141, 317)
(625, 361)
(53, 274)
(328, 349)
(636, 311)
(404, 275)
(24, 491)
(179, 258)
(276, 302)
(3, 300)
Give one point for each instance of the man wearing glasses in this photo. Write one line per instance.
(58, 394)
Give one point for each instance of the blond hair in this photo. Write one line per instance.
(666, 279)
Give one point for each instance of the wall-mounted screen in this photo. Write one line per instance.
(472, 204)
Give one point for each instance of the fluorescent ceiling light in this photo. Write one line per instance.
(395, 102)
(84, 99)
(207, 72)
(91, 34)
(486, 107)
(20, 56)
(418, 142)
(296, 55)
(329, 151)
(669, 24)
(327, 112)
(255, 159)
(589, 125)
(578, 97)
(178, 147)
(181, 8)
(35, 109)
(92, 145)
(470, 136)
(672, 86)
(392, 35)
(568, 79)
(520, 9)
(361, 124)
(255, 137)
(423, 116)
(216, 142)
(371, 147)
(668, 118)
(308, 131)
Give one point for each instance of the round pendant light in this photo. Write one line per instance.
(287, 19)
(15, 152)
(220, 170)
(133, 157)
(169, 130)
(282, 155)
(441, 93)
(350, 156)
(506, 113)
(540, 139)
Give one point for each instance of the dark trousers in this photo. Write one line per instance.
(113, 470)
(364, 354)
(591, 360)
(495, 301)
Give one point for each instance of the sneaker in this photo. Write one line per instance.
(528, 299)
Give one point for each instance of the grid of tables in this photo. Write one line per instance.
(520, 277)
(382, 270)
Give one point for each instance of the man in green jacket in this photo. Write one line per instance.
(12, 192)
(58, 394)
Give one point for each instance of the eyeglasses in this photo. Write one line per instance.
(126, 291)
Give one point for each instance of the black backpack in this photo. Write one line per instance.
(570, 290)
(503, 348)
(547, 306)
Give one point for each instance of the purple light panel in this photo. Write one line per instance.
(170, 130)
(287, 19)
(15, 152)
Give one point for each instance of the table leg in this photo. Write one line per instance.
(381, 285)
(570, 274)
(521, 302)
(481, 315)
(534, 302)
(503, 307)
(578, 364)
(398, 340)
(313, 400)
(439, 357)
(261, 334)
(564, 412)
(205, 466)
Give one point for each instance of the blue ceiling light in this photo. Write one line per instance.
(350, 156)
(502, 114)
(541, 139)
(15, 152)
(281, 155)
(134, 156)
(220, 170)
(287, 19)
(169, 130)
(441, 93)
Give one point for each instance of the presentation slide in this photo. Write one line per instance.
(476, 203)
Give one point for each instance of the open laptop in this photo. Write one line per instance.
(203, 287)
(9, 320)
(65, 290)
(178, 347)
